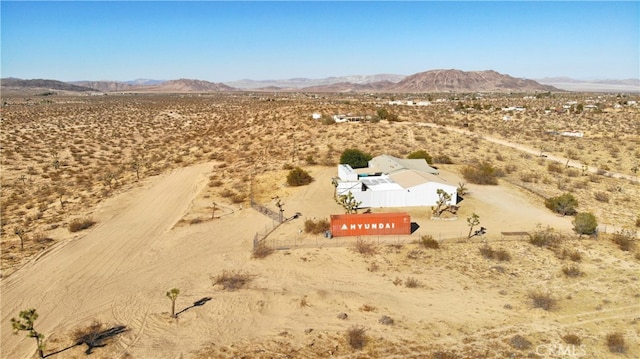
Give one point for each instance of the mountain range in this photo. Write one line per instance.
(429, 81)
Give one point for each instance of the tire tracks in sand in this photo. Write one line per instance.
(80, 280)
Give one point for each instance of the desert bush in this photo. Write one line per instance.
(365, 248)
(261, 251)
(519, 342)
(80, 224)
(356, 337)
(542, 300)
(501, 254)
(442, 159)
(232, 280)
(355, 158)
(484, 174)
(298, 177)
(411, 282)
(368, 308)
(386, 320)
(427, 241)
(421, 154)
(316, 227)
(572, 254)
(615, 342)
(564, 204)
(601, 197)
(625, 239)
(585, 223)
(573, 172)
(555, 167)
(572, 271)
(545, 238)
(572, 339)
(638, 222)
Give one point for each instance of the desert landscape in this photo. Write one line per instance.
(110, 200)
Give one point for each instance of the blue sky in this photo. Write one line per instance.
(227, 41)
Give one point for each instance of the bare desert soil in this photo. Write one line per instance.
(154, 231)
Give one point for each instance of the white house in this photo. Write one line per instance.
(393, 182)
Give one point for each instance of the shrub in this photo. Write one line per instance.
(442, 159)
(365, 248)
(298, 177)
(316, 227)
(545, 238)
(542, 300)
(261, 251)
(232, 280)
(355, 158)
(411, 283)
(519, 342)
(555, 167)
(356, 337)
(484, 174)
(601, 197)
(386, 320)
(615, 342)
(573, 255)
(427, 241)
(585, 223)
(80, 224)
(572, 271)
(572, 339)
(625, 239)
(564, 204)
(421, 154)
(501, 254)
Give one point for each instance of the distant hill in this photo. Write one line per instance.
(299, 83)
(467, 81)
(429, 81)
(184, 85)
(380, 86)
(42, 84)
(105, 86)
(569, 84)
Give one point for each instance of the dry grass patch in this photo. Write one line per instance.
(80, 224)
(232, 280)
(365, 248)
(427, 241)
(616, 343)
(542, 300)
(357, 337)
(572, 271)
(262, 250)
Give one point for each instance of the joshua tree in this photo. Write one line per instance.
(280, 206)
(20, 233)
(348, 202)
(137, 165)
(173, 295)
(472, 221)
(442, 205)
(25, 323)
(213, 210)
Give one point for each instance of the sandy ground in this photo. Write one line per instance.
(119, 271)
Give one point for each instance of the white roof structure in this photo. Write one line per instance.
(393, 182)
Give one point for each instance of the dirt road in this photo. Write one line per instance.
(87, 277)
(523, 148)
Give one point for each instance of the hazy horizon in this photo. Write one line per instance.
(234, 41)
